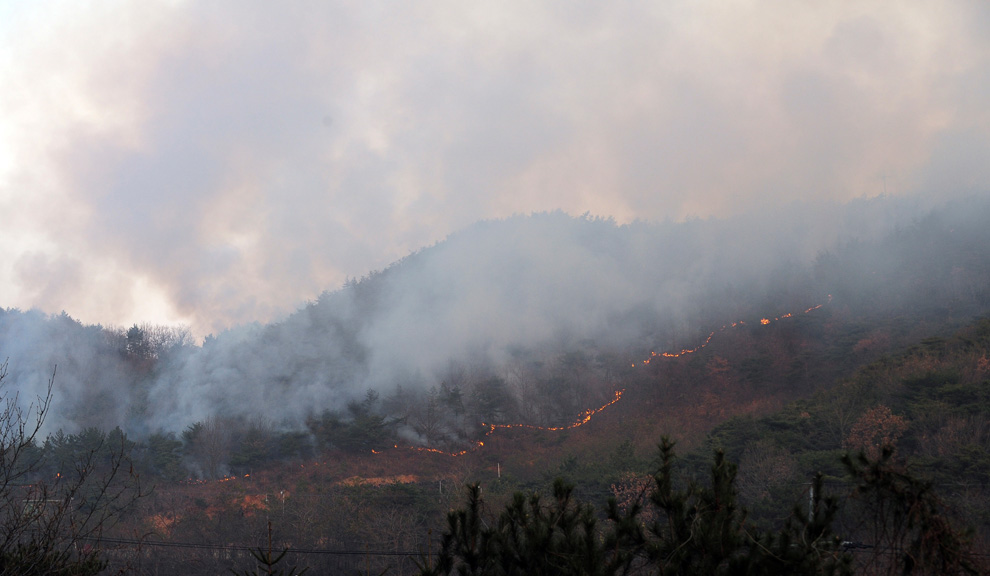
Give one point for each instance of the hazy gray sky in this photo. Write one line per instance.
(220, 162)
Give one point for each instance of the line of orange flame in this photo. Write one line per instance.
(224, 479)
(586, 416)
(583, 418)
(763, 322)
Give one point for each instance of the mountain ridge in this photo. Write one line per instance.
(525, 288)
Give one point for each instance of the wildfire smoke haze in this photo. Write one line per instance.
(309, 269)
(587, 415)
(217, 165)
(507, 301)
(240, 170)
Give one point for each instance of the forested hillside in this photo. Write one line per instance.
(931, 402)
(531, 320)
(538, 347)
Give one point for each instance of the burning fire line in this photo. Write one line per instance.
(583, 418)
(686, 351)
(586, 416)
(213, 481)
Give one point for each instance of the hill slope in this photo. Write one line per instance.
(536, 313)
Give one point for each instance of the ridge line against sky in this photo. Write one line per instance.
(220, 163)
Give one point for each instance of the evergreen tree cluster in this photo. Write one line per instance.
(702, 529)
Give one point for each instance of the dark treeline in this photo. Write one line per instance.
(700, 527)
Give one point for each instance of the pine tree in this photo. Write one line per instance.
(906, 521)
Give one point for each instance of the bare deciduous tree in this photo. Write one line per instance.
(51, 522)
(209, 442)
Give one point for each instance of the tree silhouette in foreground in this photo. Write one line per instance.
(267, 561)
(533, 537)
(53, 513)
(701, 529)
(697, 530)
(905, 521)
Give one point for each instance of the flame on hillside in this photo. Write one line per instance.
(582, 419)
(205, 481)
(706, 341)
(587, 415)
